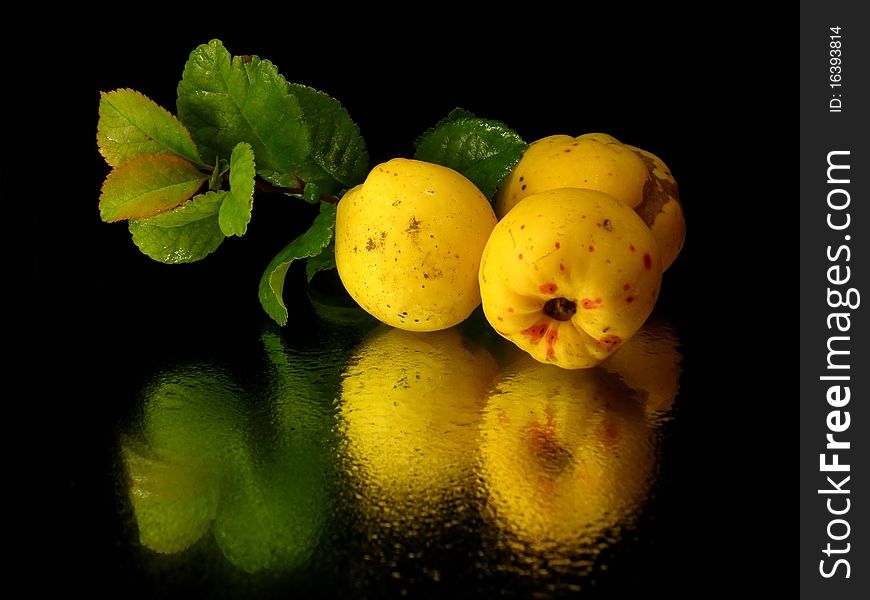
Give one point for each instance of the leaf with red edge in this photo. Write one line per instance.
(147, 185)
(132, 125)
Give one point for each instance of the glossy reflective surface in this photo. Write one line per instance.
(362, 461)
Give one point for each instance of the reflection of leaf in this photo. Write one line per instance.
(310, 243)
(174, 503)
(270, 515)
(147, 185)
(198, 462)
(132, 125)
(182, 235)
(194, 414)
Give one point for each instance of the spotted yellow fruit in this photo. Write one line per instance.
(569, 275)
(408, 243)
(635, 177)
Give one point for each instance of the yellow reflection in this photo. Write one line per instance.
(650, 363)
(410, 408)
(565, 454)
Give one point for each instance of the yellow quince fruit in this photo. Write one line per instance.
(408, 243)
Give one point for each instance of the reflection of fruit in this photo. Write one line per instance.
(565, 454)
(597, 161)
(569, 275)
(650, 364)
(410, 405)
(174, 503)
(408, 244)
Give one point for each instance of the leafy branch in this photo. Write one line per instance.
(243, 128)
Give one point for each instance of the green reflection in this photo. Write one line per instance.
(190, 435)
(250, 466)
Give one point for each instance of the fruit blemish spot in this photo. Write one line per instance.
(610, 341)
(590, 304)
(548, 288)
(552, 337)
(647, 261)
(535, 332)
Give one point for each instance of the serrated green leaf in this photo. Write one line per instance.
(489, 173)
(338, 157)
(320, 262)
(147, 185)
(310, 243)
(484, 151)
(454, 115)
(186, 234)
(132, 125)
(235, 213)
(224, 100)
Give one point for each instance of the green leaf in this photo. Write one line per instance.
(225, 100)
(484, 151)
(215, 182)
(310, 243)
(235, 213)
(311, 193)
(187, 234)
(132, 125)
(320, 262)
(338, 157)
(147, 185)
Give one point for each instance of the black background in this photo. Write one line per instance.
(695, 92)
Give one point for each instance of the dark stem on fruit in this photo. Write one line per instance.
(560, 309)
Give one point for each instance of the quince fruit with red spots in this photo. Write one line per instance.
(597, 161)
(569, 275)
